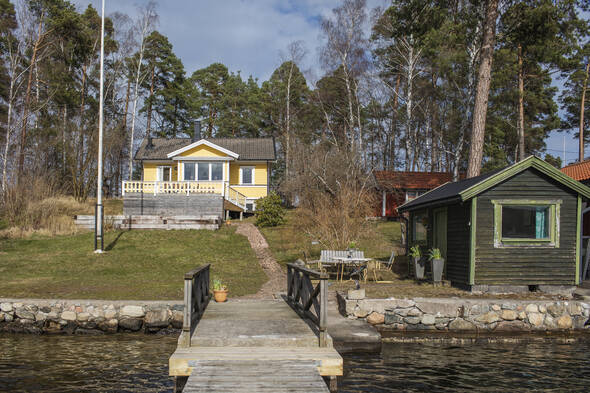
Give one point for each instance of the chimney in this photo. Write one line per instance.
(197, 133)
(150, 143)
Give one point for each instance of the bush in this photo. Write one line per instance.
(269, 211)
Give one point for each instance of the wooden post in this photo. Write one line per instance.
(241, 215)
(323, 311)
(185, 339)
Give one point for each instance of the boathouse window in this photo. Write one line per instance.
(419, 227)
(526, 223)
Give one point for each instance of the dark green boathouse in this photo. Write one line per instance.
(518, 226)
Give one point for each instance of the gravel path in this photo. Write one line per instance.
(277, 279)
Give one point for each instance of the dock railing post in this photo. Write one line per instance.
(323, 310)
(185, 340)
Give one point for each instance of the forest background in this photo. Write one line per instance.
(396, 90)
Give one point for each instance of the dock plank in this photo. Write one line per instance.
(255, 346)
(255, 376)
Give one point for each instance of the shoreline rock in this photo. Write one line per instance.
(470, 315)
(88, 317)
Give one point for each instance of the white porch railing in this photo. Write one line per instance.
(235, 197)
(185, 187)
(172, 187)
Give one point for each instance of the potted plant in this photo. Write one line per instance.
(438, 264)
(419, 264)
(219, 291)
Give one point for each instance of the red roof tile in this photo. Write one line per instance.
(411, 180)
(579, 171)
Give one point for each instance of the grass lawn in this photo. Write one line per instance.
(142, 265)
(287, 243)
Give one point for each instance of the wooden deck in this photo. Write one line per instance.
(255, 376)
(247, 337)
(255, 345)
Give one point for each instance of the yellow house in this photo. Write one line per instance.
(185, 176)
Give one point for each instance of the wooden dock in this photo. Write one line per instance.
(256, 345)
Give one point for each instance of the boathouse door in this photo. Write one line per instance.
(440, 232)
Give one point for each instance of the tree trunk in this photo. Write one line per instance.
(135, 97)
(350, 110)
(483, 88)
(8, 129)
(409, 134)
(521, 152)
(288, 125)
(149, 111)
(126, 107)
(582, 108)
(23, 136)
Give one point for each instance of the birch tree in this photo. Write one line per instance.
(345, 49)
(145, 24)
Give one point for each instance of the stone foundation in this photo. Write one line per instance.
(469, 315)
(88, 316)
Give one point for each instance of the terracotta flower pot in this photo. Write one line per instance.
(220, 296)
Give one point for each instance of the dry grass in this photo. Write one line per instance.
(136, 265)
(408, 288)
(288, 243)
(39, 207)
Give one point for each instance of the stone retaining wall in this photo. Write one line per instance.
(454, 314)
(88, 316)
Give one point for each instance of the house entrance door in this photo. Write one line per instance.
(440, 232)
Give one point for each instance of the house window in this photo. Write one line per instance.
(217, 171)
(413, 194)
(526, 223)
(164, 173)
(203, 170)
(420, 227)
(189, 171)
(247, 175)
(251, 205)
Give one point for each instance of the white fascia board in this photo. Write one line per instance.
(206, 143)
(195, 158)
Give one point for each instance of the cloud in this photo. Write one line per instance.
(245, 35)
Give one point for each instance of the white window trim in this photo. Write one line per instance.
(210, 164)
(206, 143)
(160, 174)
(184, 172)
(253, 175)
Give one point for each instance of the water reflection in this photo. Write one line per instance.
(114, 363)
(493, 367)
(139, 363)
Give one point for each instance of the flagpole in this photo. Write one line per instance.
(99, 215)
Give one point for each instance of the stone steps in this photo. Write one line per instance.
(210, 222)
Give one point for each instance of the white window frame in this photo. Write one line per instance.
(160, 172)
(253, 168)
(210, 166)
(184, 170)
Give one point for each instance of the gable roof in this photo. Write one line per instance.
(387, 180)
(200, 143)
(579, 171)
(248, 149)
(468, 188)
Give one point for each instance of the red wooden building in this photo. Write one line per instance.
(580, 171)
(395, 188)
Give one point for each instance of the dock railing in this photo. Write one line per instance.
(196, 298)
(302, 295)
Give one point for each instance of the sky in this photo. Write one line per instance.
(249, 35)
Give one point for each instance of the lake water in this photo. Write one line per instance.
(138, 363)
